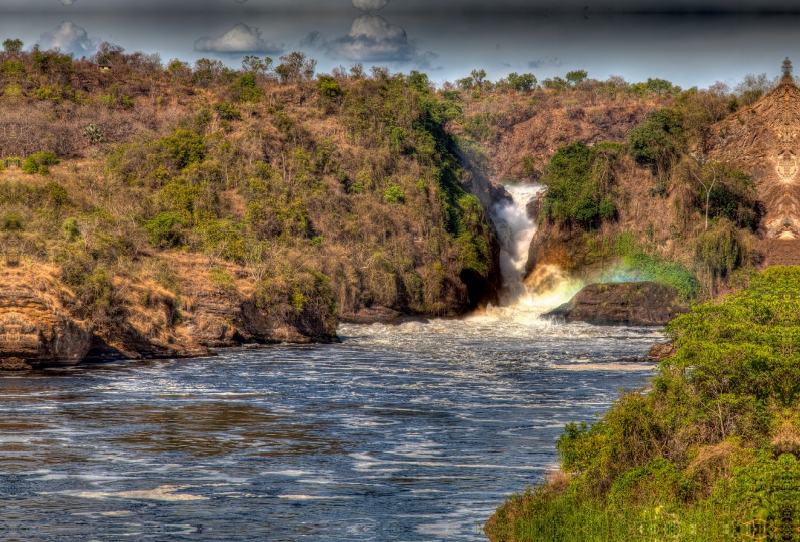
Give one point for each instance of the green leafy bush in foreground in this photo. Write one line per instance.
(708, 453)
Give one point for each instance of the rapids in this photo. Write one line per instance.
(415, 432)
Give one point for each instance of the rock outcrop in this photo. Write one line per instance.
(625, 303)
(36, 327)
(660, 351)
(764, 141)
(379, 315)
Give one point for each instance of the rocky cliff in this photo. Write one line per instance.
(36, 322)
(764, 141)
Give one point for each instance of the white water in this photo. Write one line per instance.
(515, 232)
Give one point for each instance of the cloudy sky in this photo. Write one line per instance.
(690, 43)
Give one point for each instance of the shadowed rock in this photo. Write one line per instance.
(628, 303)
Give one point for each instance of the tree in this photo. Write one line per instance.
(556, 83)
(575, 77)
(477, 77)
(12, 46)
(257, 66)
(752, 88)
(523, 83)
(727, 192)
(295, 66)
(786, 68)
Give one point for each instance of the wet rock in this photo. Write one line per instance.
(379, 315)
(14, 364)
(660, 351)
(630, 303)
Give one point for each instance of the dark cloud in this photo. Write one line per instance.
(545, 62)
(239, 39)
(69, 38)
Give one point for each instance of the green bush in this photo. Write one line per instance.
(659, 140)
(184, 146)
(328, 87)
(227, 111)
(221, 278)
(394, 194)
(673, 274)
(580, 183)
(721, 249)
(38, 162)
(71, 230)
(164, 230)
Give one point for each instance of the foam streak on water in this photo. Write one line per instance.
(414, 432)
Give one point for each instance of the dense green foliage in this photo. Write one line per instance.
(580, 182)
(659, 141)
(710, 449)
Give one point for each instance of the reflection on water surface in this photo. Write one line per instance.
(413, 432)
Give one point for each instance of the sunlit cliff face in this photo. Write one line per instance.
(764, 141)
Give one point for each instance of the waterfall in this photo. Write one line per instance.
(515, 230)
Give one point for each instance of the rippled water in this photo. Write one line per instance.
(414, 432)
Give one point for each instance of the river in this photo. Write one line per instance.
(410, 433)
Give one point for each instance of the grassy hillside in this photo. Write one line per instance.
(708, 452)
(311, 196)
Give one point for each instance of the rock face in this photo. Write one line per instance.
(764, 141)
(627, 303)
(35, 327)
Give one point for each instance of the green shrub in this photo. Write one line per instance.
(164, 230)
(328, 87)
(659, 140)
(57, 194)
(227, 111)
(705, 454)
(721, 249)
(185, 147)
(394, 195)
(38, 162)
(71, 230)
(651, 268)
(221, 278)
(580, 183)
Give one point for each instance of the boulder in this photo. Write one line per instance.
(660, 351)
(623, 303)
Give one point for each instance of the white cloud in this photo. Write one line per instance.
(69, 38)
(239, 39)
(67, 2)
(372, 39)
(370, 5)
